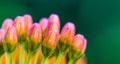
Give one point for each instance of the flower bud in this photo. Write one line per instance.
(79, 43)
(51, 40)
(28, 22)
(54, 18)
(7, 23)
(67, 33)
(53, 27)
(35, 35)
(11, 39)
(19, 25)
(44, 24)
(2, 35)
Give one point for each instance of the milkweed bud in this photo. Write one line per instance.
(19, 25)
(51, 40)
(7, 23)
(67, 33)
(2, 35)
(44, 24)
(28, 22)
(11, 39)
(79, 43)
(54, 18)
(53, 27)
(35, 35)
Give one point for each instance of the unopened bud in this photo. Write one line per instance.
(79, 43)
(11, 39)
(7, 23)
(44, 24)
(2, 35)
(35, 35)
(19, 25)
(53, 27)
(28, 22)
(54, 18)
(67, 33)
(51, 40)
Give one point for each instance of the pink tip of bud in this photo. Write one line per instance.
(35, 33)
(28, 22)
(54, 18)
(79, 43)
(67, 33)
(7, 23)
(19, 25)
(11, 36)
(44, 24)
(2, 35)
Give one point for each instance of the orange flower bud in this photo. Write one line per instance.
(35, 35)
(19, 25)
(11, 39)
(79, 43)
(28, 22)
(54, 18)
(51, 40)
(67, 33)
(7, 23)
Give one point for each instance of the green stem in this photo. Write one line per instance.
(21, 61)
(44, 60)
(14, 56)
(71, 61)
(36, 60)
(58, 58)
(7, 58)
(29, 56)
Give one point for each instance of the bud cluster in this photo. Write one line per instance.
(43, 38)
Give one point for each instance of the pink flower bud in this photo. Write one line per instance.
(2, 35)
(35, 34)
(67, 33)
(51, 40)
(7, 23)
(11, 36)
(79, 43)
(11, 39)
(19, 25)
(53, 27)
(28, 22)
(54, 18)
(44, 24)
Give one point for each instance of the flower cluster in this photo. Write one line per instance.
(25, 42)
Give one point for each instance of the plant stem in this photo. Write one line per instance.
(21, 61)
(38, 54)
(44, 60)
(58, 58)
(7, 58)
(71, 61)
(29, 56)
(14, 56)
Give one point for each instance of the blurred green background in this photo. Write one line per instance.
(98, 20)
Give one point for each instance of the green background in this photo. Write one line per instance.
(98, 20)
